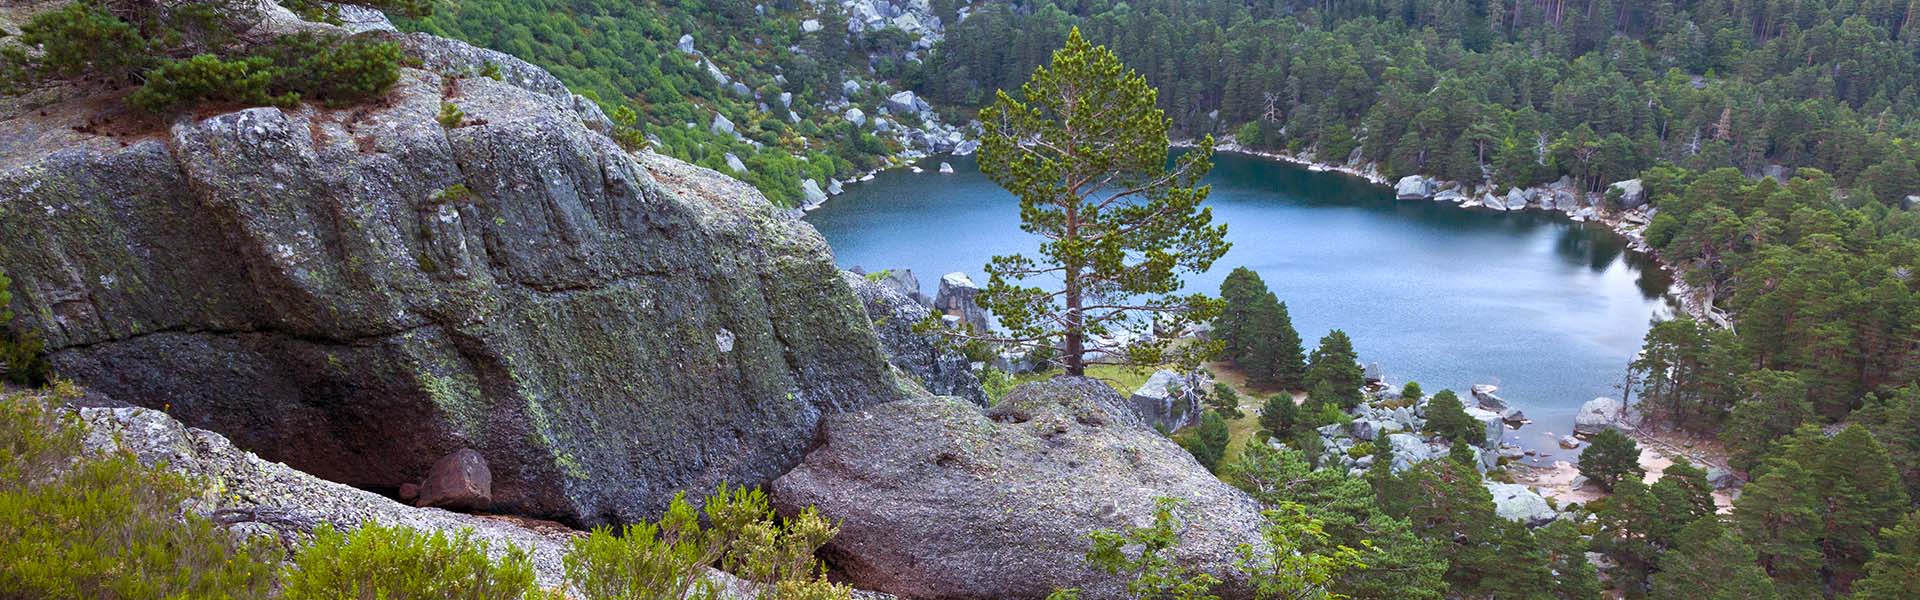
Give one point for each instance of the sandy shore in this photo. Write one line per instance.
(1658, 450)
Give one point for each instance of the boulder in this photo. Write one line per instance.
(856, 116)
(810, 25)
(1373, 373)
(1517, 199)
(946, 169)
(1453, 196)
(905, 103)
(1722, 478)
(1367, 429)
(722, 126)
(299, 280)
(1569, 442)
(1493, 424)
(686, 44)
(810, 190)
(904, 282)
(734, 164)
(936, 367)
(938, 500)
(834, 188)
(786, 99)
(1493, 202)
(1410, 449)
(849, 87)
(459, 481)
(1169, 400)
(1519, 503)
(741, 90)
(1413, 187)
(1632, 194)
(956, 297)
(1597, 415)
(1484, 394)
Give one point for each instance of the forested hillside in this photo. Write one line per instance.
(744, 58)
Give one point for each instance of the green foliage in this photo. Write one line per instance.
(1209, 444)
(82, 527)
(1711, 563)
(1335, 364)
(1411, 391)
(208, 78)
(1447, 417)
(450, 115)
(1894, 572)
(83, 39)
(398, 563)
(1086, 152)
(1278, 415)
(21, 361)
(1147, 554)
(1773, 404)
(1258, 333)
(667, 559)
(1298, 560)
(336, 70)
(996, 383)
(1610, 457)
(1225, 401)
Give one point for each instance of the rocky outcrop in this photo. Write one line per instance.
(358, 292)
(937, 500)
(957, 298)
(940, 369)
(1169, 401)
(1598, 414)
(1515, 502)
(269, 498)
(1413, 187)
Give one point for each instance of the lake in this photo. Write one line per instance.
(1548, 309)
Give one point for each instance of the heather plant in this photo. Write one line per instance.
(398, 563)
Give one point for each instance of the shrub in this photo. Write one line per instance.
(1448, 417)
(20, 359)
(1225, 401)
(450, 115)
(397, 563)
(1278, 415)
(176, 85)
(1610, 457)
(83, 39)
(667, 559)
(73, 526)
(337, 70)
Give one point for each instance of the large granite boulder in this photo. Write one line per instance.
(1515, 502)
(1598, 414)
(1631, 193)
(938, 500)
(1413, 187)
(957, 297)
(940, 369)
(358, 292)
(1169, 400)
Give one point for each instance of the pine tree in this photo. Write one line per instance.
(1278, 415)
(1862, 496)
(1411, 391)
(1684, 496)
(1277, 355)
(1894, 572)
(1335, 363)
(1625, 521)
(1711, 563)
(1610, 457)
(1779, 515)
(1209, 444)
(1447, 417)
(1225, 401)
(1574, 578)
(1240, 293)
(1086, 152)
(1774, 404)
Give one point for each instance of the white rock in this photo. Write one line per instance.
(1519, 503)
(815, 196)
(722, 126)
(733, 163)
(1413, 187)
(946, 168)
(856, 116)
(686, 43)
(810, 25)
(1597, 415)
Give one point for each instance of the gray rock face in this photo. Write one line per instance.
(956, 298)
(1494, 424)
(359, 292)
(1515, 502)
(810, 190)
(943, 371)
(249, 483)
(460, 481)
(1413, 187)
(906, 103)
(1169, 400)
(685, 44)
(721, 125)
(937, 500)
(1486, 395)
(1632, 194)
(1410, 449)
(1597, 415)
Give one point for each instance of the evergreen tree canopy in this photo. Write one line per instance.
(1610, 457)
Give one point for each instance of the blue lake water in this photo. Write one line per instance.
(1549, 310)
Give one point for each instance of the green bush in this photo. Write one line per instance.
(83, 39)
(397, 563)
(180, 84)
(21, 361)
(450, 115)
(667, 559)
(336, 70)
(80, 527)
